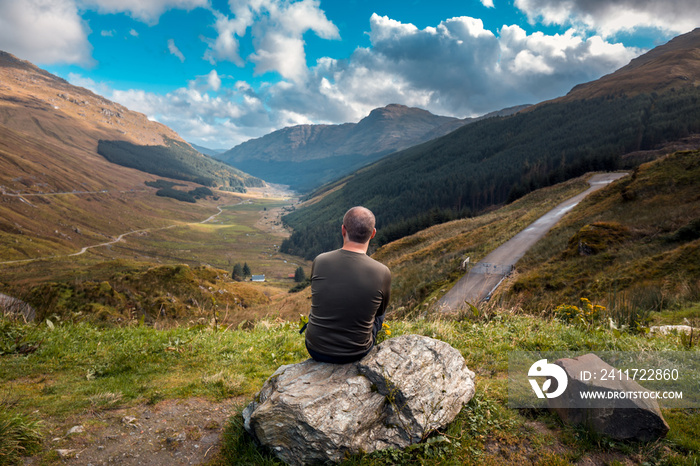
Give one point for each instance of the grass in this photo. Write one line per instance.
(70, 365)
(137, 277)
(638, 237)
(82, 367)
(425, 265)
(175, 236)
(19, 435)
(76, 364)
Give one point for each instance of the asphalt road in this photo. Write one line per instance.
(485, 276)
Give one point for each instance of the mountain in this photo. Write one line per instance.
(603, 125)
(58, 193)
(306, 156)
(207, 151)
(38, 107)
(673, 65)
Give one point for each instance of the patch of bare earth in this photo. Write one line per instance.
(549, 447)
(271, 222)
(172, 432)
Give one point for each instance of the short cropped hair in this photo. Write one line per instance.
(359, 224)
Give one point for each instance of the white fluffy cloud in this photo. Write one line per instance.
(52, 31)
(225, 46)
(44, 31)
(608, 17)
(459, 68)
(455, 68)
(277, 28)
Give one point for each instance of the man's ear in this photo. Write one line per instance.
(374, 232)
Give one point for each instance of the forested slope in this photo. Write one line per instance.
(496, 161)
(179, 161)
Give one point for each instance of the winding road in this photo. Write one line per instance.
(485, 276)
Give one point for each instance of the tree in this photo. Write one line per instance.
(299, 275)
(246, 270)
(237, 272)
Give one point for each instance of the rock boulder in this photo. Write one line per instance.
(406, 388)
(627, 413)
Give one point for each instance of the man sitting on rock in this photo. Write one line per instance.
(349, 295)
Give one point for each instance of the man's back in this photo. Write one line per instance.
(348, 290)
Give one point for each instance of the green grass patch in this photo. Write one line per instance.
(19, 435)
(636, 239)
(81, 367)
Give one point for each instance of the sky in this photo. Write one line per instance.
(220, 72)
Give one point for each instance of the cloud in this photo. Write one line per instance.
(487, 3)
(208, 82)
(53, 32)
(214, 81)
(88, 83)
(147, 11)
(457, 67)
(175, 51)
(277, 28)
(225, 46)
(44, 32)
(460, 68)
(610, 17)
(223, 120)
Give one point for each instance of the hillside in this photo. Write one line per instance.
(207, 151)
(495, 161)
(635, 243)
(306, 156)
(37, 107)
(675, 64)
(58, 194)
(184, 368)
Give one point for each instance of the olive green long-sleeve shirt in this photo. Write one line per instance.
(348, 290)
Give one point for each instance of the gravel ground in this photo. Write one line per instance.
(172, 432)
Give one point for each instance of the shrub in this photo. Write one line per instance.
(19, 436)
(585, 315)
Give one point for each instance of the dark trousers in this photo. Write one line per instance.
(378, 321)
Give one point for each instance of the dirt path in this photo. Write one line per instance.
(485, 276)
(172, 432)
(118, 239)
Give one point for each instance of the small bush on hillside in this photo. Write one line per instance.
(596, 238)
(586, 315)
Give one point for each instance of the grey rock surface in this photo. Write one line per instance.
(406, 388)
(13, 307)
(623, 417)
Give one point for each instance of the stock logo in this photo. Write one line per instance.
(543, 369)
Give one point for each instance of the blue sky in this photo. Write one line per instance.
(220, 72)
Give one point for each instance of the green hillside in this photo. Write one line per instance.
(179, 161)
(635, 244)
(95, 356)
(497, 161)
